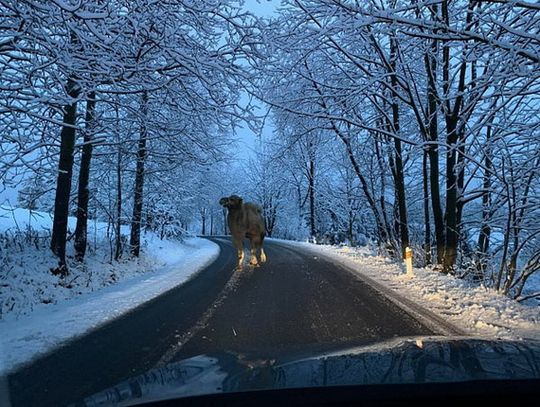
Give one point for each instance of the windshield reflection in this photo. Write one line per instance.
(411, 360)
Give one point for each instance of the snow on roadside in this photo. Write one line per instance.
(40, 311)
(477, 310)
(45, 329)
(26, 283)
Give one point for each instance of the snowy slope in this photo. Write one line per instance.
(26, 284)
(46, 328)
(477, 310)
(50, 312)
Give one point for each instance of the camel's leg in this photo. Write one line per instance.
(239, 245)
(255, 244)
(263, 254)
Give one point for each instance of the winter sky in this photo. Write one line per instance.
(249, 141)
(262, 8)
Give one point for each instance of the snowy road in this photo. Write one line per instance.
(297, 302)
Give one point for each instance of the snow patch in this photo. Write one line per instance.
(41, 311)
(45, 329)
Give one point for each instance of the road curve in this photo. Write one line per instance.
(297, 302)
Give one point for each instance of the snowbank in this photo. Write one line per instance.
(26, 284)
(45, 329)
(46, 311)
(477, 310)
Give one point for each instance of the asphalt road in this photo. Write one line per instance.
(295, 303)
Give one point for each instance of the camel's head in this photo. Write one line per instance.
(231, 202)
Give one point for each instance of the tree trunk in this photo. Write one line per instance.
(433, 154)
(451, 233)
(401, 199)
(454, 178)
(311, 189)
(83, 194)
(485, 229)
(391, 234)
(63, 183)
(270, 214)
(454, 145)
(399, 177)
(427, 221)
(433, 150)
(203, 219)
(135, 238)
(118, 248)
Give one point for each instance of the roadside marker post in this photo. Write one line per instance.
(408, 261)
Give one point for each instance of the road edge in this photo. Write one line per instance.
(423, 315)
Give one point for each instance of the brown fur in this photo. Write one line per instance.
(245, 221)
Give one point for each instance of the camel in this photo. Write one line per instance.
(245, 220)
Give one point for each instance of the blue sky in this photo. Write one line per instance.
(249, 141)
(262, 8)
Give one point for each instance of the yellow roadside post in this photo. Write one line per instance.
(408, 261)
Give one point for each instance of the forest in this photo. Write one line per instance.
(385, 122)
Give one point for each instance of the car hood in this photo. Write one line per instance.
(405, 360)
